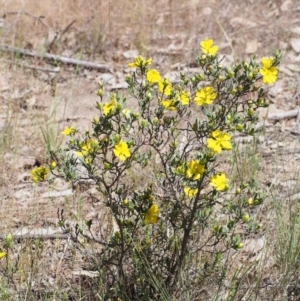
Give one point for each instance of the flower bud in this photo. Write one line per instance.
(96, 119)
(144, 123)
(155, 120)
(240, 245)
(136, 115)
(200, 76)
(211, 124)
(148, 96)
(53, 165)
(256, 202)
(246, 217)
(100, 92)
(250, 112)
(239, 127)
(8, 238)
(259, 226)
(233, 91)
(230, 73)
(8, 241)
(107, 166)
(217, 228)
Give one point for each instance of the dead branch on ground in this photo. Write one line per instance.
(57, 58)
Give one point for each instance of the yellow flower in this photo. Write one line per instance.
(2, 254)
(219, 182)
(190, 192)
(168, 104)
(87, 148)
(267, 62)
(268, 71)
(219, 141)
(165, 86)
(152, 215)
(153, 76)
(121, 150)
(109, 107)
(194, 170)
(39, 174)
(184, 97)
(69, 131)
(208, 48)
(205, 96)
(140, 62)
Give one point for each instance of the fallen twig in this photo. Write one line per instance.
(57, 58)
(284, 115)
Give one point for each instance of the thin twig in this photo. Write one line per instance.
(23, 12)
(226, 36)
(67, 28)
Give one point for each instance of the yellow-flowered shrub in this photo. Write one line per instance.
(157, 166)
